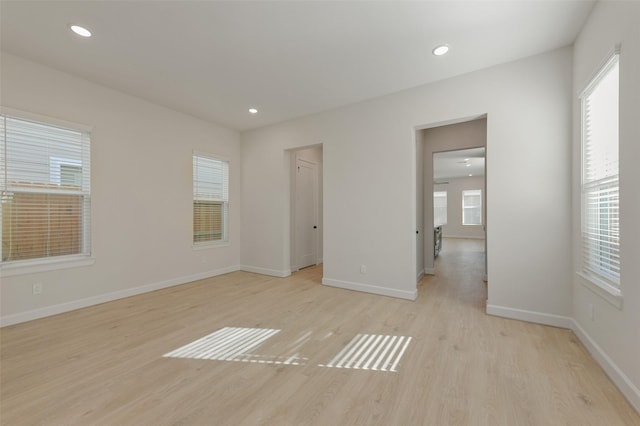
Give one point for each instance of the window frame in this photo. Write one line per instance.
(606, 286)
(43, 264)
(225, 231)
(441, 194)
(479, 194)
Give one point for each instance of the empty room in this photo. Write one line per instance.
(320, 212)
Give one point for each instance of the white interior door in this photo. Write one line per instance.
(306, 212)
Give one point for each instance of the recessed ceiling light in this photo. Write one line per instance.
(466, 159)
(81, 31)
(440, 50)
(253, 110)
(468, 165)
(470, 174)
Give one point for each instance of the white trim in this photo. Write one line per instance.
(420, 275)
(56, 122)
(203, 245)
(266, 271)
(604, 66)
(609, 293)
(108, 297)
(617, 376)
(530, 316)
(368, 288)
(44, 264)
(430, 271)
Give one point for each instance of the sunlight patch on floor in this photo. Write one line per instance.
(374, 352)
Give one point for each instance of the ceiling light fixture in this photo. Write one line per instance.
(468, 165)
(253, 110)
(470, 175)
(440, 50)
(81, 31)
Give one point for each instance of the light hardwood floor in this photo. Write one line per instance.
(104, 365)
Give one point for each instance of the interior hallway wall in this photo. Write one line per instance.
(369, 159)
(612, 334)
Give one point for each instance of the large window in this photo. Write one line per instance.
(210, 199)
(600, 194)
(472, 207)
(46, 193)
(439, 208)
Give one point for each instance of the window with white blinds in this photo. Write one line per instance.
(46, 190)
(439, 208)
(600, 187)
(210, 199)
(472, 207)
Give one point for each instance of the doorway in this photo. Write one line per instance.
(459, 200)
(306, 207)
(463, 134)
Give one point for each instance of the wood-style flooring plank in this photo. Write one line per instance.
(105, 365)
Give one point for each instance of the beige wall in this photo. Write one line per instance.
(454, 227)
(141, 167)
(612, 334)
(369, 161)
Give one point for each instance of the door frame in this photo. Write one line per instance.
(290, 157)
(296, 255)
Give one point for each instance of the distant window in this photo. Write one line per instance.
(210, 199)
(46, 192)
(600, 184)
(472, 207)
(439, 208)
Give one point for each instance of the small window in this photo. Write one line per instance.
(439, 208)
(46, 194)
(472, 207)
(600, 183)
(210, 199)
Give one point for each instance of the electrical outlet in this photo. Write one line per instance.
(363, 269)
(37, 288)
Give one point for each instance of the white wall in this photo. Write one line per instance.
(613, 336)
(369, 154)
(454, 227)
(141, 193)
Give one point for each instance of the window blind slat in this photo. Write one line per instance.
(210, 199)
(45, 184)
(600, 182)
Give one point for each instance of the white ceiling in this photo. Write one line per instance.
(214, 60)
(460, 163)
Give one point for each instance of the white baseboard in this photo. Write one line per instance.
(108, 297)
(367, 288)
(616, 375)
(430, 271)
(530, 316)
(266, 271)
(420, 275)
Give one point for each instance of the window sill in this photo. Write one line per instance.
(204, 246)
(607, 292)
(24, 267)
